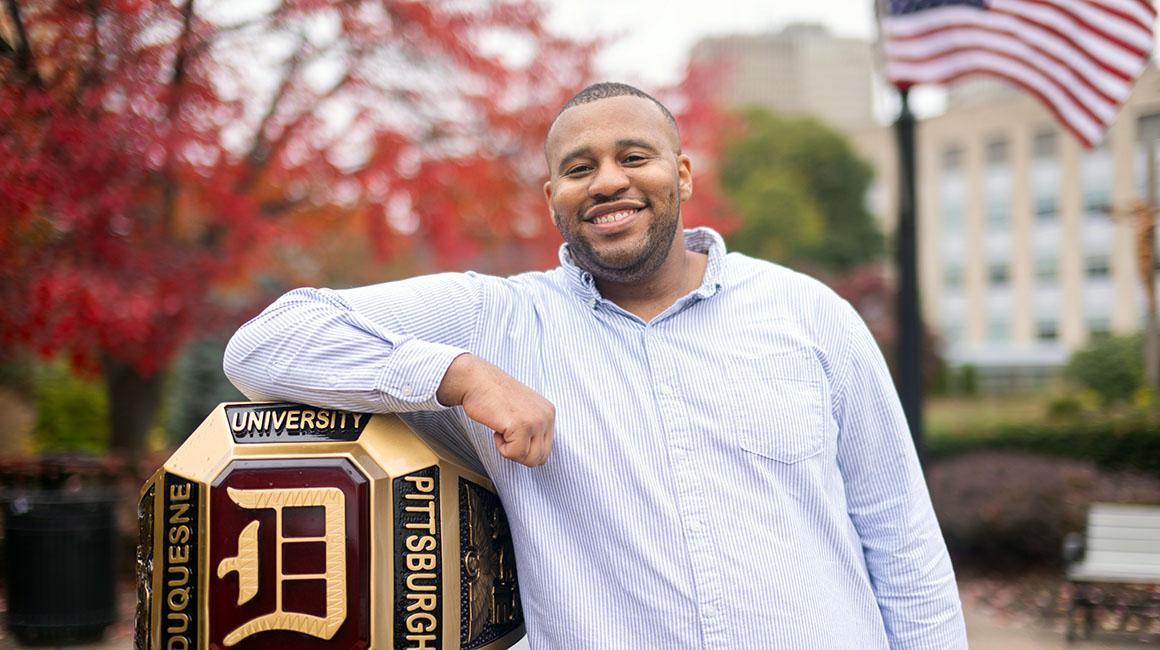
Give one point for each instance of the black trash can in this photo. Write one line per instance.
(60, 551)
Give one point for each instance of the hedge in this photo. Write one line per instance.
(1114, 443)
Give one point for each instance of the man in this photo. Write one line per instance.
(708, 449)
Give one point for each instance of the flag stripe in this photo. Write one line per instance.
(1097, 108)
(1123, 34)
(1043, 100)
(1098, 48)
(957, 39)
(1026, 27)
(1110, 81)
(1130, 12)
(1147, 4)
(955, 66)
(1078, 57)
(1141, 14)
(1058, 96)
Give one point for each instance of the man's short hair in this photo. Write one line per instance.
(606, 89)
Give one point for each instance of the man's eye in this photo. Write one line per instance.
(577, 170)
(634, 158)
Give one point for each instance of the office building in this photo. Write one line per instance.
(802, 70)
(1027, 245)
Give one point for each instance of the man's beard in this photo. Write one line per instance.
(652, 254)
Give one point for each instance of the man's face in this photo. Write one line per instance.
(616, 182)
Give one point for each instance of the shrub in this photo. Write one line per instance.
(1130, 442)
(196, 386)
(1009, 510)
(1112, 367)
(967, 380)
(72, 413)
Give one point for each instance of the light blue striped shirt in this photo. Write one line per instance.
(736, 473)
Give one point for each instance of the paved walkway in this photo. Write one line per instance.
(985, 630)
(988, 632)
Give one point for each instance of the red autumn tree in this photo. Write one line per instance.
(157, 157)
(153, 153)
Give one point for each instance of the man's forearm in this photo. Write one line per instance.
(310, 346)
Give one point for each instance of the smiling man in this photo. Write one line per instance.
(694, 449)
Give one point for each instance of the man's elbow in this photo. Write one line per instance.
(239, 367)
(253, 350)
(242, 362)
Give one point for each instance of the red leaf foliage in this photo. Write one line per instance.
(161, 161)
(146, 167)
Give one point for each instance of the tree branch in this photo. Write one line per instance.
(173, 117)
(92, 72)
(257, 154)
(181, 59)
(265, 148)
(24, 62)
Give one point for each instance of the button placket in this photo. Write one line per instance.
(689, 486)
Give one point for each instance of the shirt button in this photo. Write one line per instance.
(407, 390)
(666, 390)
(694, 526)
(710, 611)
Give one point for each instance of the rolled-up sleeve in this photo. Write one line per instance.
(890, 506)
(378, 349)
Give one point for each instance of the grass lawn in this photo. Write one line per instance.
(948, 416)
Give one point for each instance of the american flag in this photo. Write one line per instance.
(1079, 57)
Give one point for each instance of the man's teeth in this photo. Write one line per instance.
(614, 216)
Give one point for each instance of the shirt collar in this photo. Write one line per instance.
(700, 240)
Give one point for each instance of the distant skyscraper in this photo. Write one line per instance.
(802, 70)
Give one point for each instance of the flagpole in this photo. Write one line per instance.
(909, 318)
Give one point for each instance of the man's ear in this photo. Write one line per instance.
(548, 199)
(685, 176)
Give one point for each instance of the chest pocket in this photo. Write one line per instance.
(779, 406)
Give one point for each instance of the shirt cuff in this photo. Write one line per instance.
(411, 379)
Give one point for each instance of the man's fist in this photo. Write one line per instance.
(523, 421)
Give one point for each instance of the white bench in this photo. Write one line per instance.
(1121, 545)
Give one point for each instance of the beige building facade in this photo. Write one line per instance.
(802, 70)
(1026, 244)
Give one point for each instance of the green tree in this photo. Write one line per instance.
(1113, 367)
(799, 190)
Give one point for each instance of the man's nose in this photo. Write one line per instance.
(609, 180)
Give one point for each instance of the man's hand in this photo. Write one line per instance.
(523, 421)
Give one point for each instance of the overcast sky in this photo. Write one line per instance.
(652, 38)
(656, 35)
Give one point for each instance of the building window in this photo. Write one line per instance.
(997, 274)
(1046, 208)
(998, 213)
(997, 152)
(953, 277)
(952, 160)
(1047, 330)
(1099, 327)
(1047, 270)
(998, 329)
(1098, 267)
(953, 217)
(1147, 136)
(953, 333)
(1097, 202)
(1044, 145)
